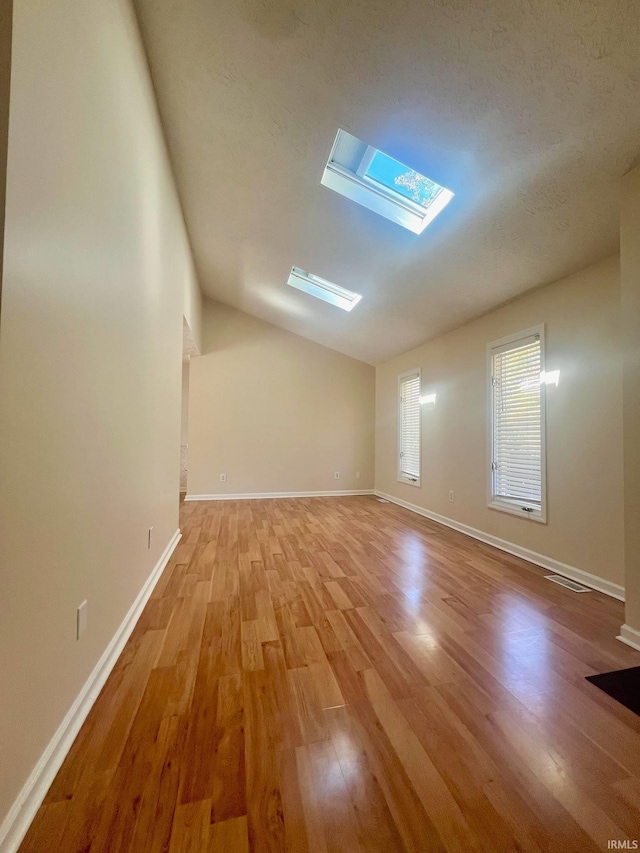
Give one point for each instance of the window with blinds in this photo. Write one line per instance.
(517, 440)
(409, 428)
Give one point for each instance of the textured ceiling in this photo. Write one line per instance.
(528, 109)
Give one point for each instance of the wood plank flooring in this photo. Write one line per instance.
(338, 674)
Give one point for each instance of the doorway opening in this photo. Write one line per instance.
(189, 350)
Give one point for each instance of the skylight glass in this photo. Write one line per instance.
(322, 289)
(398, 178)
(375, 180)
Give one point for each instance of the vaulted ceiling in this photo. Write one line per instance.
(529, 110)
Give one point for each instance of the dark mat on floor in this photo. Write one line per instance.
(623, 685)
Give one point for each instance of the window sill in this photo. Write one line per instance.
(410, 482)
(516, 508)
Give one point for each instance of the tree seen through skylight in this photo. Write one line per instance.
(396, 176)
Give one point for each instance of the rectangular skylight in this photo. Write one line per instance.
(373, 179)
(326, 290)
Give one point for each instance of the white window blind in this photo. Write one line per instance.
(409, 463)
(517, 422)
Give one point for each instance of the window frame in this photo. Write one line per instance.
(403, 478)
(514, 506)
(354, 184)
(376, 187)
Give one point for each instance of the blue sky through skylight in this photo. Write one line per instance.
(399, 178)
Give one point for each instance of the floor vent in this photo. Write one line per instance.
(572, 585)
(382, 501)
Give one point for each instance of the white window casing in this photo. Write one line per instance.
(409, 428)
(322, 289)
(516, 398)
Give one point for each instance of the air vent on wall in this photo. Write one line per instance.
(572, 585)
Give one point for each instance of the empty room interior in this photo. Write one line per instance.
(319, 426)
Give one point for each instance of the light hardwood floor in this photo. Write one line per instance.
(338, 674)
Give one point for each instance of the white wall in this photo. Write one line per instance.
(276, 412)
(97, 277)
(630, 275)
(192, 305)
(184, 408)
(584, 423)
(6, 13)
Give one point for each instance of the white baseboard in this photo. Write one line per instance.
(630, 636)
(260, 495)
(29, 800)
(592, 581)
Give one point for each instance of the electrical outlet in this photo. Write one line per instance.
(223, 478)
(357, 475)
(452, 496)
(81, 619)
(149, 537)
(337, 475)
